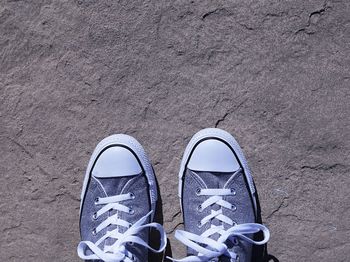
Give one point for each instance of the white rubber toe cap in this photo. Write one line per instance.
(212, 155)
(116, 161)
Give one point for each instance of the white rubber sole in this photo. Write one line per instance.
(133, 145)
(226, 137)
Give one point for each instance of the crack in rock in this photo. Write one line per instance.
(277, 209)
(174, 216)
(174, 228)
(230, 111)
(219, 12)
(324, 167)
(313, 19)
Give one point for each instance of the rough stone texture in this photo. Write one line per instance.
(273, 73)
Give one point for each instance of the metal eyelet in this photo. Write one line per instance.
(199, 208)
(233, 207)
(97, 199)
(94, 232)
(131, 210)
(233, 191)
(199, 224)
(132, 195)
(198, 191)
(94, 216)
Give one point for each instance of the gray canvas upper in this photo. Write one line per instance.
(244, 212)
(211, 162)
(118, 202)
(103, 187)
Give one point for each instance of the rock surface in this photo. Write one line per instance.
(276, 74)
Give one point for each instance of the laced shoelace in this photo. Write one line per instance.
(209, 248)
(117, 251)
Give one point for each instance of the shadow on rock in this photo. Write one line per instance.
(154, 235)
(260, 253)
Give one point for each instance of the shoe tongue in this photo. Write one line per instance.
(214, 179)
(114, 186)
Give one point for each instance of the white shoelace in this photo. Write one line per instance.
(208, 248)
(117, 251)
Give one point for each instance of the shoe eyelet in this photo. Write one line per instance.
(132, 195)
(94, 232)
(233, 207)
(199, 224)
(198, 191)
(97, 199)
(94, 216)
(131, 210)
(199, 208)
(130, 225)
(233, 191)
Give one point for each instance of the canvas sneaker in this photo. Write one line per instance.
(218, 200)
(118, 202)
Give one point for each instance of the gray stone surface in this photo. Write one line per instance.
(273, 73)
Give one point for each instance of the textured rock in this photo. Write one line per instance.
(273, 73)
